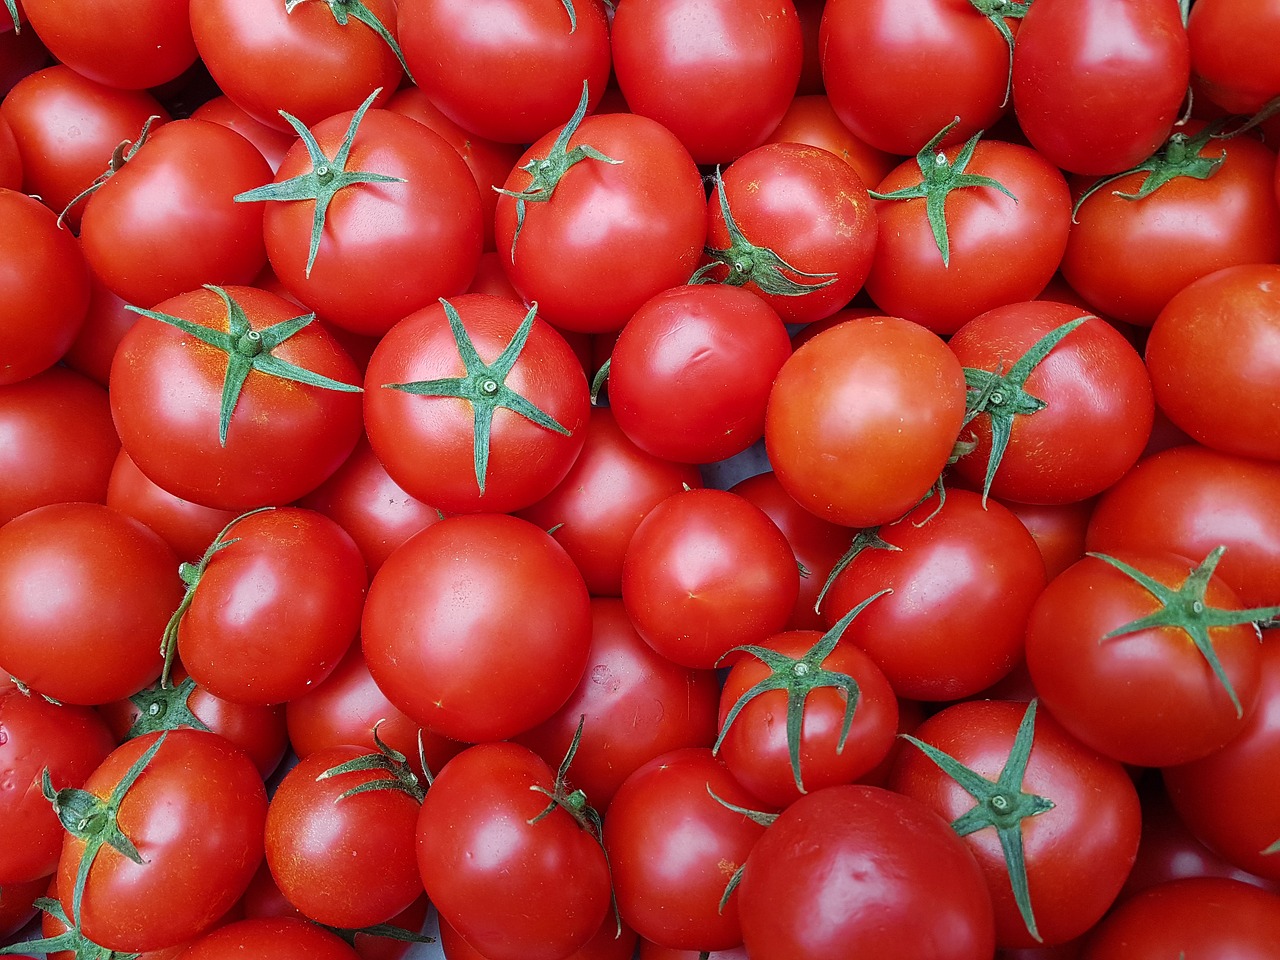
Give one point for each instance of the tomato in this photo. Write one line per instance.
(811, 120)
(81, 583)
(582, 253)
(897, 74)
(1097, 86)
(1058, 530)
(690, 374)
(10, 158)
(1073, 815)
(637, 705)
(653, 951)
(1073, 424)
(59, 442)
(880, 392)
(17, 905)
(107, 321)
(860, 871)
(607, 944)
(355, 255)
(194, 814)
(964, 578)
(1195, 917)
(534, 57)
(144, 45)
(279, 440)
(44, 291)
(998, 243)
(611, 487)
(1231, 44)
(1137, 690)
(673, 847)
(37, 736)
(302, 60)
(271, 143)
(67, 126)
(516, 885)
(1213, 363)
(478, 627)
(718, 76)
(282, 938)
(1128, 257)
(706, 571)
(500, 433)
(794, 225)
(187, 527)
(1188, 500)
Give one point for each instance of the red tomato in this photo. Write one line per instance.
(718, 76)
(859, 871)
(1058, 530)
(10, 158)
(880, 392)
(187, 527)
(706, 571)
(81, 583)
(281, 938)
(271, 143)
(108, 320)
(811, 120)
(478, 627)
(1231, 52)
(607, 944)
(1097, 85)
(17, 901)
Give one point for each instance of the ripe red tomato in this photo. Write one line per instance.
(1231, 44)
(271, 143)
(811, 120)
(281, 938)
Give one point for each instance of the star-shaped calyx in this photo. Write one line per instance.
(1186, 609)
(1002, 804)
(344, 10)
(326, 177)
(484, 386)
(1179, 157)
(939, 177)
(248, 350)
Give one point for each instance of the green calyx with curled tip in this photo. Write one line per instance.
(939, 177)
(1002, 396)
(345, 10)
(998, 12)
(162, 707)
(326, 177)
(484, 386)
(748, 263)
(868, 538)
(70, 941)
(1002, 804)
(798, 677)
(545, 173)
(1185, 609)
(393, 766)
(124, 152)
(248, 350)
(755, 816)
(12, 7)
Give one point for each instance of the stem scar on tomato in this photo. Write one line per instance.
(327, 176)
(344, 10)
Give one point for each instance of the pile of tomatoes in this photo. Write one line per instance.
(665, 479)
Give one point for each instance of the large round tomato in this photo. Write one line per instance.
(1231, 52)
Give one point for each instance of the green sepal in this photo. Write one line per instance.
(484, 386)
(1001, 804)
(867, 538)
(393, 765)
(1273, 849)
(122, 154)
(998, 11)
(1185, 609)
(755, 816)
(384, 931)
(798, 677)
(749, 263)
(344, 10)
(939, 178)
(12, 7)
(573, 14)
(70, 940)
(1179, 157)
(546, 172)
(248, 350)
(162, 707)
(1002, 397)
(327, 176)
(599, 380)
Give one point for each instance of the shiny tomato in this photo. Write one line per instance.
(811, 120)
(271, 143)
(1231, 44)
(281, 938)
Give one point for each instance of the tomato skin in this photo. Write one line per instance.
(1188, 500)
(605, 945)
(478, 627)
(897, 75)
(811, 120)
(282, 938)
(1099, 409)
(1147, 697)
(271, 143)
(719, 77)
(187, 527)
(165, 222)
(880, 392)
(673, 847)
(534, 66)
(690, 374)
(1212, 359)
(706, 571)
(1197, 916)
(526, 461)
(1078, 853)
(59, 442)
(1128, 258)
(844, 872)
(17, 900)
(1231, 52)
(196, 816)
(1097, 86)
(638, 705)
(166, 391)
(1058, 530)
(35, 735)
(610, 488)
(80, 583)
(515, 890)
(1001, 250)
